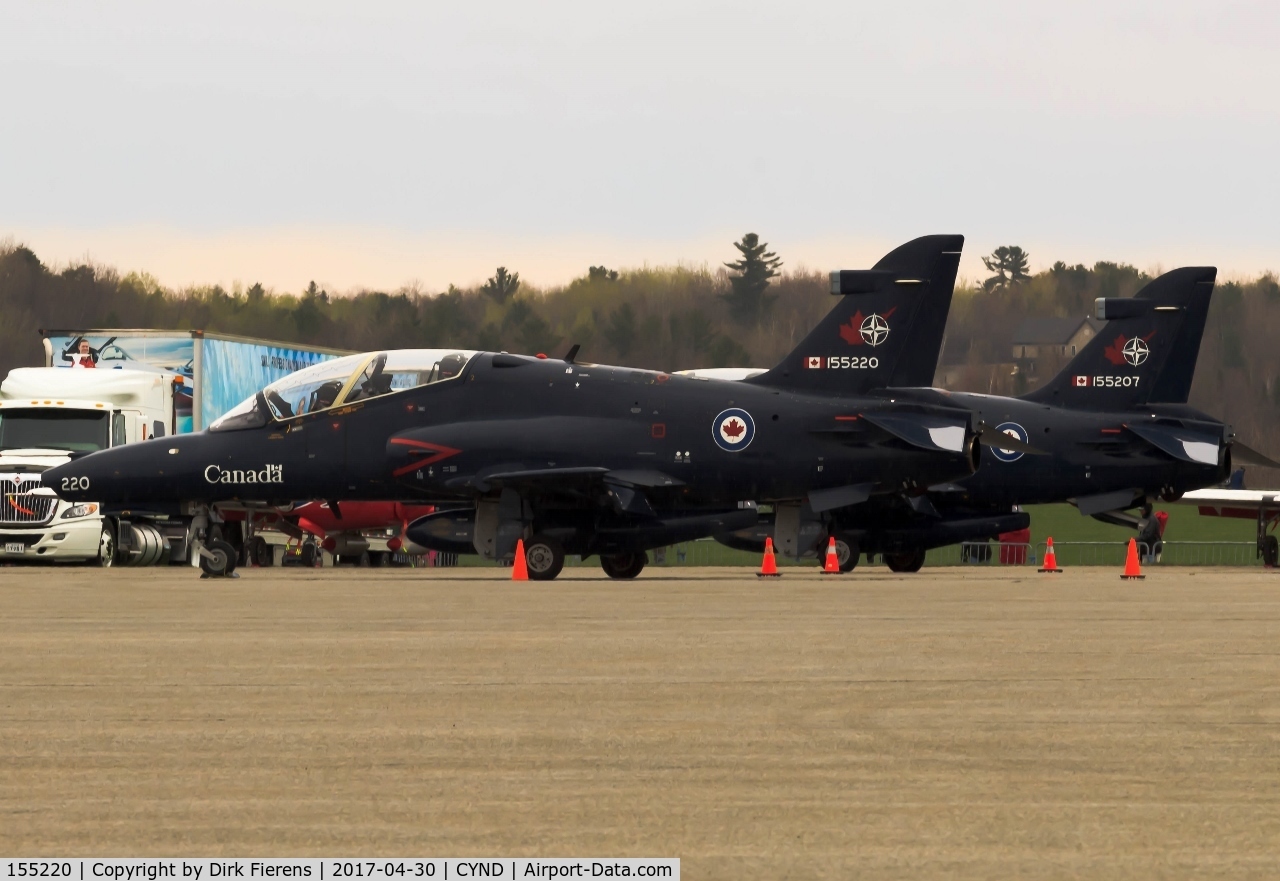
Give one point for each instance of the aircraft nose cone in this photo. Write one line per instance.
(74, 481)
(107, 476)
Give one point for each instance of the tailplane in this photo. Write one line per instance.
(1146, 352)
(886, 329)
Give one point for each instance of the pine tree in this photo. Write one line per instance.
(502, 286)
(1009, 263)
(748, 301)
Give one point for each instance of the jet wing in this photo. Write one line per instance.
(1184, 444)
(929, 432)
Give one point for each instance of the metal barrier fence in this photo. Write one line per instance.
(1165, 553)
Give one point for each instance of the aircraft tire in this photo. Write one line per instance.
(308, 554)
(544, 558)
(224, 562)
(847, 552)
(624, 565)
(908, 561)
(261, 552)
(1271, 551)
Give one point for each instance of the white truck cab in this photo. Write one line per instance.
(48, 415)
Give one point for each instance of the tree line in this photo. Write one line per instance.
(746, 311)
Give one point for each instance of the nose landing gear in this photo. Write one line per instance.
(217, 559)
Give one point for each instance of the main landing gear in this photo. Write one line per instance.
(623, 565)
(544, 558)
(847, 552)
(907, 561)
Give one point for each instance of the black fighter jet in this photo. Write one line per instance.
(1114, 423)
(573, 458)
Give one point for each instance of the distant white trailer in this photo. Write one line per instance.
(729, 374)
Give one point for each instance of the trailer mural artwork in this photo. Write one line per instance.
(171, 354)
(211, 372)
(242, 368)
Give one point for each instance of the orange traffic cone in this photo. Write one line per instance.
(769, 568)
(831, 565)
(1131, 567)
(1050, 558)
(520, 569)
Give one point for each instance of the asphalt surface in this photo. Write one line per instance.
(957, 723)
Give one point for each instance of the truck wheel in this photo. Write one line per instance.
(107, 548)
(623, 565)
(847, 552)
(909, 561)
(1271, 551)
(224, 559)
(544, 558)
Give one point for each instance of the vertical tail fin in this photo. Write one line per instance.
(1146, 352)
(885, 330)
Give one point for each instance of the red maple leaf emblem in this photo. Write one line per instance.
(733, 428)
(851, 333)
(1112, 352)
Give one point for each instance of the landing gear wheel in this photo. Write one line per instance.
(907, 561)
(624, 565)
(544, 558)
(308, 555)
(1271, 551)
(847, 552)
(107, 548)
(261, 552)
(223, 562)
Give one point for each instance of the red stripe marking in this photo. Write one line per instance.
(422, 448)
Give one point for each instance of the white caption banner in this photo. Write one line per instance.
(335, 869)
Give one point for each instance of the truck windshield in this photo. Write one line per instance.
(39, 428)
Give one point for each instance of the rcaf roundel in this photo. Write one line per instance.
(733, 429)
(1014, 430)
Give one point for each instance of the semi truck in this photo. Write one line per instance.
(104, 388)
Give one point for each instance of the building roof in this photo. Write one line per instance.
(1050, 331)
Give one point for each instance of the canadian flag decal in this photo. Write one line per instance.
(813, 363)
(1082, 381)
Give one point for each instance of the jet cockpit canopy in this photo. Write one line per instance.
(345, 381)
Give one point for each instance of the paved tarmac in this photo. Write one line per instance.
(959, 723)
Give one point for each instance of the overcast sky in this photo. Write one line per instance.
(368, 144)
